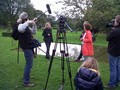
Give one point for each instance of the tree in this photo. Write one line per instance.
(97, 12)
(75, 8)
(101, 12)
(9, 10)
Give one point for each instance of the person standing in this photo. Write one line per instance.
(47, 33)
(88, 76)
(113, 38)
(26, 43)
(80, 55)
(87, 44)
(81, 36)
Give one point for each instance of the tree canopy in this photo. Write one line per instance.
(97, 12)
(10, 10)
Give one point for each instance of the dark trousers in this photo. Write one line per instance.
(80, 55)
(28, 53)
(47, 49)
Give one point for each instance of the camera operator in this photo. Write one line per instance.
(26, 43)
(113, 38)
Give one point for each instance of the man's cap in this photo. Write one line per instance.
(23, 15)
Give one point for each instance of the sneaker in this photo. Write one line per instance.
(110, 87)
(29, 85)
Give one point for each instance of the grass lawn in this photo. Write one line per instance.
(11, 72)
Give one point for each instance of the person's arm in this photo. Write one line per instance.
(45, 33)
(33, 29)
(22, 27)
(89, 35)
(51, 36)
(111, 35)
(81, 36)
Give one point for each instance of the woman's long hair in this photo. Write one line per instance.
(91, 63)
(47, 25)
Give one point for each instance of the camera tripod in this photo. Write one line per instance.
(61, 38)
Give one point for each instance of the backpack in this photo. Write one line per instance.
(15, 32)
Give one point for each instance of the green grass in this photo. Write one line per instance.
(11, 72)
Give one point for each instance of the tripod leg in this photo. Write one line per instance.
(18, 53)
(68, 63)
(62, 68)
(69, 72)
(62, 59)
(50, 65)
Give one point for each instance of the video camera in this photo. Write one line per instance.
(61, 23)
(110, 24)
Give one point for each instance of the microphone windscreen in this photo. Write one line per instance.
(48, 8)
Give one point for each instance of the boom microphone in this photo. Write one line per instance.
(48, 8)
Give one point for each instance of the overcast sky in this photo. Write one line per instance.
(41, 5)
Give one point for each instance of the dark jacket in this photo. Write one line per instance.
(87, 79)
(113, 38)
(45, 33)
(25, 39)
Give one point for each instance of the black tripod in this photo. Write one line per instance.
(61, 38)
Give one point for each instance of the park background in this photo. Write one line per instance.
(97, 12)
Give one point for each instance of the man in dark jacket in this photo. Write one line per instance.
(26, 43)
(113, 39)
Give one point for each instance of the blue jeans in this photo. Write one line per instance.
(114, 64)
(28, 53)
(48, 48)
